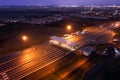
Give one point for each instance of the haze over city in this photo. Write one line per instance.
(59, 2)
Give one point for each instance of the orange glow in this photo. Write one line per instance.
(24, 38)
(72, 68)
(27, 58)
(88, 29)
(69, 27)
(116, 25)
(113, 34)
(85, 29)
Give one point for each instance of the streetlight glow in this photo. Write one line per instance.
(24, 38)
(117, 25)
(69, 27)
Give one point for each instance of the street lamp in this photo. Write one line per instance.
(69, 27)
(24, 38)
(117, 25)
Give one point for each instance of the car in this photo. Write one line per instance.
(115, 40)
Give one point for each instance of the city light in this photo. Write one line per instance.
(69, 27)
(113, 34)
(117, 24)
(24, 38)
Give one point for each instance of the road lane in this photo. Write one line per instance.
(20, 60)
(18, 54)
(21, 73)
(44, 57)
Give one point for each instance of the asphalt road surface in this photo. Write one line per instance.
(29, 61)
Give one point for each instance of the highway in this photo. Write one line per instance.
(29, 61)
(25, 62)
(93, 36)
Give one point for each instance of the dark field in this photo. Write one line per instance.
(10, 36)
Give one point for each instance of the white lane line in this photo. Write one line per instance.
(36, 57)
(5, 76)
(28, 61)
(20, 57)
(11, 59)
(18, 78)
(35, 66)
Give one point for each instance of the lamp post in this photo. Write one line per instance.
(69, 27)
(24, 38)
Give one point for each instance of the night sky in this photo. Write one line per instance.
(59, 2)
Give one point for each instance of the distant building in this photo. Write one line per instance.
(63, 43)
(86, 51)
